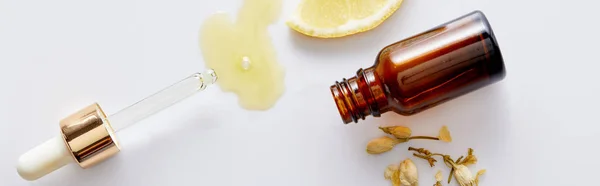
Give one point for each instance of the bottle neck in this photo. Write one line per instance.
(360, 96)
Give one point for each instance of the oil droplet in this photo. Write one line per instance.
(240, 50)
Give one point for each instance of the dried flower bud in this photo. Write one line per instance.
(392, 173)
(380, 145)
(445, 134)
(420, 150)
(390, 170)
(438, 176)
(463, 176)
(396, 179)
(408, 173)
(431, 161)
(479, 173)
(399, 132)
(469, 160)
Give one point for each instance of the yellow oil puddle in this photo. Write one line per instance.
(241, 53)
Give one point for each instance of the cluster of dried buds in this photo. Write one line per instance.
(405, 173)
(458, 168)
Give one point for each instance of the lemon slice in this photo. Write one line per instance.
(337, 18)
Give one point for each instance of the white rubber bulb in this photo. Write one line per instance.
(43, 159)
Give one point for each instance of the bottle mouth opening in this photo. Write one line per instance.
(343, 102)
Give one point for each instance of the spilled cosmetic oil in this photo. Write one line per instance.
(241, 52)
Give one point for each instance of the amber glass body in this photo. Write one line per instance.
(422, 71)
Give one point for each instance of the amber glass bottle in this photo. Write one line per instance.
(425, 70)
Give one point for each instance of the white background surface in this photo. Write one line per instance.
(537, 127)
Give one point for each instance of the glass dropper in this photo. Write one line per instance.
(162, 99)
(88, 136)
